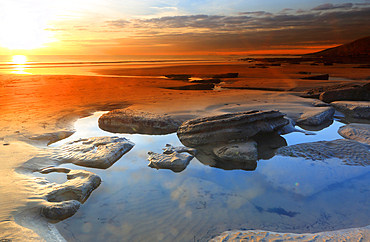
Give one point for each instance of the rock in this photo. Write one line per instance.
(348, 151)
(169, 149)
(346, 94)
(227, 75)
(213, 80)
(317, 117)
(239, 152)
(136, 122)
(318, 77)
(315, 93)
(201, 86)
(178, 77)
(174, 161)
(96, 152)
(267, 144)
(53, 137)
(344, 235)
(63, 200)
(360, 110)
(319, 103)
(355, 131)
(229, 127)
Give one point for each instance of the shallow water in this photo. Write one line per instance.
(283, 194)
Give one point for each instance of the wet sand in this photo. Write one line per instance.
(38, 104)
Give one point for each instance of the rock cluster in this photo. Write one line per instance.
(228, 127)
(136, 122)
(359, 110)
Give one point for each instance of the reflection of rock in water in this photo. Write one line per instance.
(63, 200)
(268, 143)
(348, 151)
(136, 122)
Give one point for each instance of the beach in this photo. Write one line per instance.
(35, 105)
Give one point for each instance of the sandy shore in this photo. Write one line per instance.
(38, 104)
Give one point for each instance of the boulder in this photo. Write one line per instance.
(227, 75)
(239, 152)
(348, 151)
(346, 94)
(229, 127)
(356, 131)
(63, 200)
(174, 161)
(316, 92)
(96, 152)
(136, 122)
(319, 116)
(360, 110)
(318, 77)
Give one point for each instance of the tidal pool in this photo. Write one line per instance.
(283, 194)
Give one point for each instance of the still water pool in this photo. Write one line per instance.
(283, 194)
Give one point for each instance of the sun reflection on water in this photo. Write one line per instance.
(19, 62)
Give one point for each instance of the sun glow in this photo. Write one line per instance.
(22, 28)
(19, 59)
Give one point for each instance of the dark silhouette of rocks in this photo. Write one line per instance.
(359, 48)
(178, 77)
(315, 92)
(354, 93)
(229, 127)
(318, 77)
(227, 75)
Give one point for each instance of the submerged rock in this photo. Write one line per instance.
(96, 152)
(136, 122)
(319, 116)
(237, 152)
(348, 151)
(53, 137)
(360, 110)
(355, 131)
(174, 161)
(229, 127)
(63, 200)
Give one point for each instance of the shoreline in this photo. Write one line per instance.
(39, 104)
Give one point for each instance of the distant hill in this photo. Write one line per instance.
(359, 49)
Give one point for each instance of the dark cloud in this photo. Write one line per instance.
(330, 6)
(250, 31)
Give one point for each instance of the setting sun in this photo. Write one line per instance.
(19, 59)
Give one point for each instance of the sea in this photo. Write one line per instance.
(88, 64)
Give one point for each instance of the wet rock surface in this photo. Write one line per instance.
(348, 151)
(359, 110)
(349, 94)
(53, 137)
(96, 152)
(228, 127)
(136, 122)
(173, 158)
(315, 92)
(317, 117)
(63, 200)
(356, 131)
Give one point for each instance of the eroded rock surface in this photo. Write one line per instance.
(356, 131)
(172, 160)
(345, 235)
(349, 94)
(136, 122)
(348, 151)
(360, 110)
(96, 152)
(228, 127)
(317, 117)
(63, 200)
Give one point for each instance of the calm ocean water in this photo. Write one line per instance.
(84, 64)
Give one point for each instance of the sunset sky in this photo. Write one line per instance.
(133, 27)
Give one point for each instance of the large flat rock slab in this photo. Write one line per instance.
(96, 152)
(229, 127)
(354, 109)
(356, 131)
(317, 116)
(348, 151)
(136, 122)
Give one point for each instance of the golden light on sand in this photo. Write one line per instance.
(19, 59)
(21, 28)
